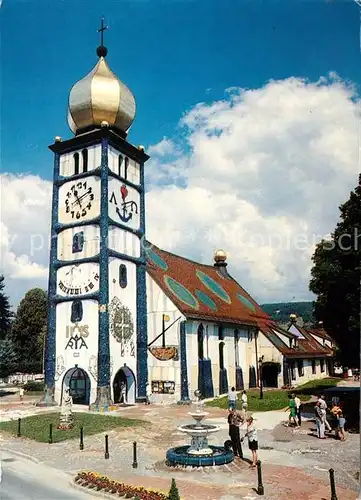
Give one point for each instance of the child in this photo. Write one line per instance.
(292, 409)
(341, 421)
(244, 401)
(232, 398)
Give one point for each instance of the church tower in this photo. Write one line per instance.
(97, 325)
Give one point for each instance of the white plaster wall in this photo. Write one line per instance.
(133, 172)
(84, 356)
(91, 245)
(308, 375)
(66, 167)
(88, 191)
(121, 351)
(123, 241)
(158, 304)
(116, 202)
(271, 353)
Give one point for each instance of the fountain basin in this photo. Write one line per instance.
(180, 456)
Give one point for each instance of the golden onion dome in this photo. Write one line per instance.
(220, 256)
(100, 97)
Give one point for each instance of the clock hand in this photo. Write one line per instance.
(82, 196)
(77, 199)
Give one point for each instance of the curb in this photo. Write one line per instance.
(21, 455)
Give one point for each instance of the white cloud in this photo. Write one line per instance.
(260, 174)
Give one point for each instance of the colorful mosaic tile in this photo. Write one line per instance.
(181, 292)
(206, 300)
(156, 259)
(213, 286)
(245, 301)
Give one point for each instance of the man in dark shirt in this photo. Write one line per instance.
(235, 420)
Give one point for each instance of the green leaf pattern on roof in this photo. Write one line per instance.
(206, 300)
(156, 259)
(245, 301)
(213, 286)
(181, 292)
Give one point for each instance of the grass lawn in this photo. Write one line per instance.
(37, 426)
(277, 399)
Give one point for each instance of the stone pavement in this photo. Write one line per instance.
(294, 463)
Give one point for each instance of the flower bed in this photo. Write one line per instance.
(98, 482)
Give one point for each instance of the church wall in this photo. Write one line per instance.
(122, 316)
(76, 344)
(251, 357)
(124, 204)
(70, 249)
(67, 162)
(162, 371)
(127, 168)
(123, 241)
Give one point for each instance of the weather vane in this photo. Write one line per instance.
(101, 31)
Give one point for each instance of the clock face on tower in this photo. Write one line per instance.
(78, 279)
(79, 200)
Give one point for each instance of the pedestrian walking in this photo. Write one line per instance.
(232, 398)
(292, 409)
(251, 433)
(235, 420)
(148, 390)
(323, 406)
(341, 421)
(320, 423)
(298, 407)
(21, 394)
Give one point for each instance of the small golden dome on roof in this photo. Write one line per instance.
(220, 256)
(100, 97)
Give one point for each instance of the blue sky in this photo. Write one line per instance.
(172, 54)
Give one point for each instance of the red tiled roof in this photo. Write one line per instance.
(320, 332)
(201, 291)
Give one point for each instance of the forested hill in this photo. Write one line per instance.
(281, 311)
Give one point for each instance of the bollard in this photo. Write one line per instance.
(50, 433)
(81, 445)
(106, 455)
(333, 486)
(260, 489)
(19, 427)
(135, 463)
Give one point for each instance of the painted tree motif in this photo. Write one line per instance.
(122, 326)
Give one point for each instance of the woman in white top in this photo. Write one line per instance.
(252, 440)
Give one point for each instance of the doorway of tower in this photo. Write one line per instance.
(270, 371)
(124, 386)
(78, 382)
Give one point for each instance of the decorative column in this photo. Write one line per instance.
(103, 400)
(50, 339)
(183, 364)
(142, 327)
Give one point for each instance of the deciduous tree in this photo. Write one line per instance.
(336, 280)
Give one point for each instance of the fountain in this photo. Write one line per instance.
(199, 453)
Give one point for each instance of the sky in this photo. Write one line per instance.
(249, 110)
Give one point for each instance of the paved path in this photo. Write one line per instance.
(24, 480)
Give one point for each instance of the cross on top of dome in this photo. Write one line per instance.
(102, 50)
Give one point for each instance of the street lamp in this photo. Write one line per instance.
(260, 363)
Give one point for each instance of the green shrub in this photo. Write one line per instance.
(34, 386)
(173, 492)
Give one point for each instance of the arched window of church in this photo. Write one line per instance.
(76, 163)
(221, 355)
(78, 242)
(220, 333)
(85, 160)
(200, 336)
(207, 342)
(76, 311)
(120, 162)
(123, 278)
(236, 346)
(126, 165)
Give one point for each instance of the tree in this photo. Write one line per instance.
(8, 360)
(336, 280)
(173, 492)
(28, 329)
(5, 311)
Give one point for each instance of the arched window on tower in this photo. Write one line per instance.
(221, 355)
(236, 346)
(76, 163)
(120, 162)
(123, 278)
(126, 165)
(200, 335)
(76, 311)
(85, 160)
(78, 242)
